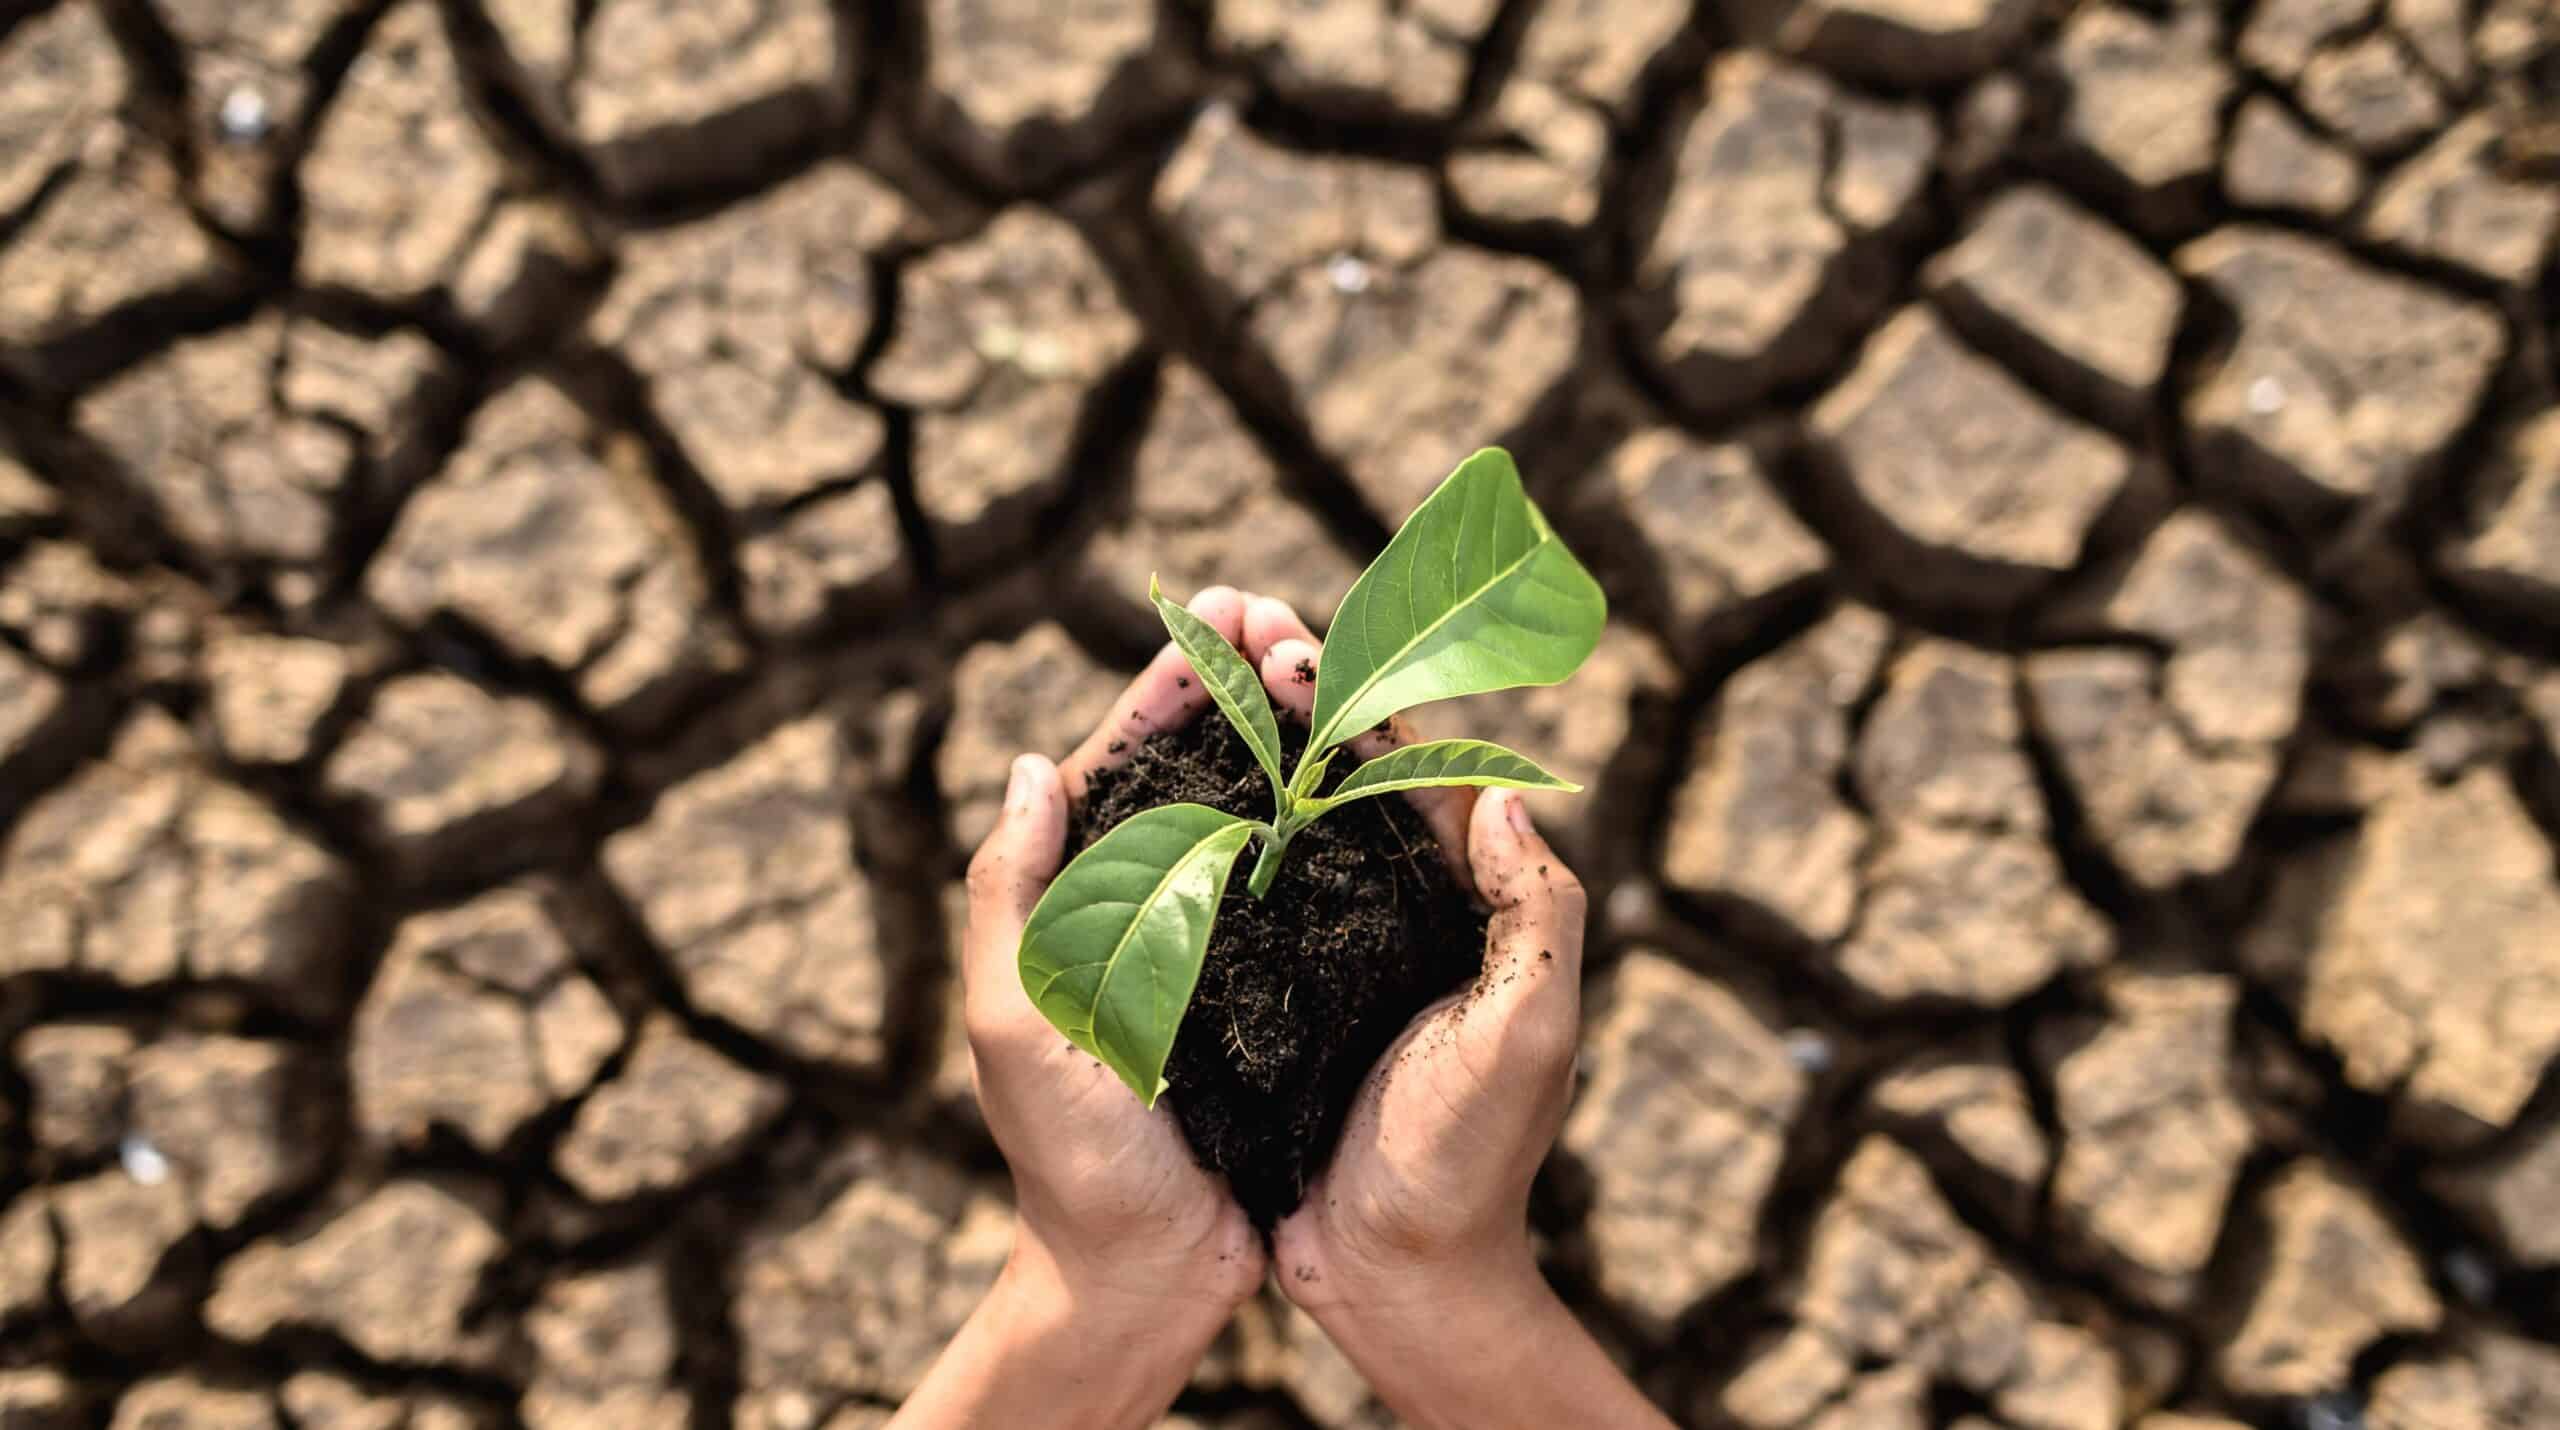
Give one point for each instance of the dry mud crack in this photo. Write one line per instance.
(528, 530)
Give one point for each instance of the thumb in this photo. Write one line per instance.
(1007, 876)
(1533, 946)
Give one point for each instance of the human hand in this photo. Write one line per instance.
(1128, 1259)
(1430, 1185)
(1412, 1247)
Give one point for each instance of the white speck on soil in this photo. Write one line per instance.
(1809, 1050)
(2470, 1275)
(244, 117)
(1630, 905)
(1348, 274)
(143, 1162)
(2266, 396)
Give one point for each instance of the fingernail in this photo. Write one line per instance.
(1017, 789)
(1517, 813)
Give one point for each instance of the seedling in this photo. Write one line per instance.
(1475, 593)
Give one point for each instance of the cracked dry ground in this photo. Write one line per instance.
(528, 529)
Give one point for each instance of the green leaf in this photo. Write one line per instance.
(1310, 774)
(1231, 682)
(1441, 762)
(1113, 949)
(1475, 593)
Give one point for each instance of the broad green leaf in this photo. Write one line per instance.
(1113, 949)
(1230, 681)
(1475, 593)
(1441, 762)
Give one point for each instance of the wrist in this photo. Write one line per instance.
(1477, 1297)
(1355, 1264)
(1046, 1285)
(1045, 1348)
(1480, 1343)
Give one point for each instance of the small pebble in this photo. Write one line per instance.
(2336, 1410)
(1349, 274)
(1809, 1050)
(2266, 396)
(2470, 1275)
(143, 1162)
(1630, 905)
(244, 116)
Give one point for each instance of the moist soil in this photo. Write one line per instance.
(1301, 991)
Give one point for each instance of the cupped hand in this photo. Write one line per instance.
(1426, 1199)
(1110, 1203)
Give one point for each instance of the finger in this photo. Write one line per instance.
(1267, 622)
(1165, 696)
(1007, 876)
(1289, 673)
(1533, 946)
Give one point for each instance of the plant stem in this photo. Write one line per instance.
(1267, 867)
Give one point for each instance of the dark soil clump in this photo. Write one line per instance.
(1303, 990)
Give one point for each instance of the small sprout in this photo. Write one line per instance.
(1476, 593)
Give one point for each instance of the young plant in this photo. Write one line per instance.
(1475, 593)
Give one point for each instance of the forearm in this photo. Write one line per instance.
(1493, 1350)
(1034, 1352)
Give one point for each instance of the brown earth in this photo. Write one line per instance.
(529, 530)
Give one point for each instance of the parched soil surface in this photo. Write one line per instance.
(529, 530)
